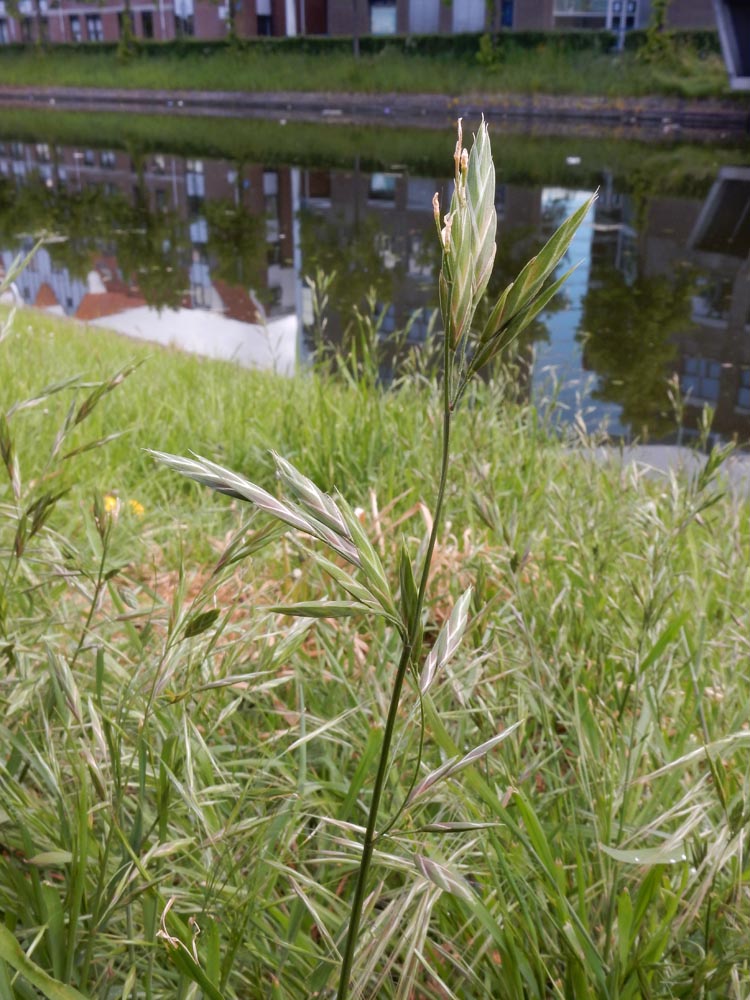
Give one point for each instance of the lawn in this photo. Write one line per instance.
(180, 764)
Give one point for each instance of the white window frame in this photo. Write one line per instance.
(469, 16)
(94, 21)
(424, 17)
(383, 17)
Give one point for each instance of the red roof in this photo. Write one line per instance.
(45, 298)
(107, 304)
(238, 303)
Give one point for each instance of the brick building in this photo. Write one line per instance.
(429, 16)
(75, 21)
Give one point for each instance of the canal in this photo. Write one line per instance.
(225, 237)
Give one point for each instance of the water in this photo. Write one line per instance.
(212, 254)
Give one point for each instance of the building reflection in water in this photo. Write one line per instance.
(213, 257)
(194, 253)
(669, 298)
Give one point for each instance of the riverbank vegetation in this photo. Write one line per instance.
(640, 165)
(688, 66)
(177, 764)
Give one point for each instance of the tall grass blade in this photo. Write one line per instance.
(12, 953)
(447, 641)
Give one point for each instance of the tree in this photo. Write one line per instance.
(355, 28)
(628, 340)
(77, 218)
(150, 249)
(12, 7)
(126, 43)
(659, 41)
(236, 244)
(495, 10)
(354, 261)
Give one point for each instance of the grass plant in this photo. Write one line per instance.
(467, 237)
(184, 779)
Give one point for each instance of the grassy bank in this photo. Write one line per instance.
(545, 69)
(642, 167)
(165, 738)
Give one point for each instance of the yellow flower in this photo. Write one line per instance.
(111, 504)
(137, 508)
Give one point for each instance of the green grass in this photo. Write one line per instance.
(356, 447)
(543, 70)
(139, 763)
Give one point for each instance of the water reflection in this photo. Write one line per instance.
(194, 253)
(213, 256)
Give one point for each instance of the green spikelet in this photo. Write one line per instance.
(468, 237)
(480, 185)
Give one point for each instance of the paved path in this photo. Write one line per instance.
(660, 459)
(662, 115)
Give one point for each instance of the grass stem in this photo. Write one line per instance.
(411, 650)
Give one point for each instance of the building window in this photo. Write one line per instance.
(743, 392)
(265, 20)
(506, 14)
(424, 17)
(108, 159)
(42, 152)
(26, 31)
(200, 280)
(623, 13)
(195, 182)
(271, 192)
(89, 158)
(94, 30)
(583, 8)
(4, 37)
(199, 230)
(382, 187)
(147, 23)
(265, 24)
(382, 17)
(700, 380)
(469, 15)
(184, 26)
(76, 35)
